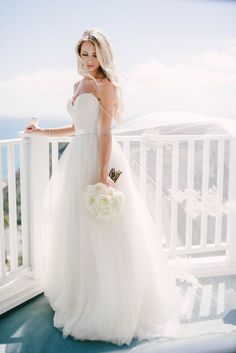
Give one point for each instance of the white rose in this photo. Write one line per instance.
(91, 200)
(99, 187)
(103, 201)
(111, 191)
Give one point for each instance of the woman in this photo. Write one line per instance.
(109, 280)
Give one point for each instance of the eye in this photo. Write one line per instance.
(87, 55)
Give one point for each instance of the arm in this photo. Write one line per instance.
(107, 96)
(68, 130)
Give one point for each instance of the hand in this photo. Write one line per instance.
(33, 128)
(105, 179)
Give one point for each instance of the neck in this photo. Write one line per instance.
(97, 75)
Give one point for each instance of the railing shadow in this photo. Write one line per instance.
(29, 327)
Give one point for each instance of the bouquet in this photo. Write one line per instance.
(102, 201)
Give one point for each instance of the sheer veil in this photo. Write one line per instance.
(185, 166)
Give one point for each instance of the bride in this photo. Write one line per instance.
(110, 280)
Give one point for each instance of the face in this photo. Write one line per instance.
(89, 57)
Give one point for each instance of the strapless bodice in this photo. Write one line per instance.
(84, 112)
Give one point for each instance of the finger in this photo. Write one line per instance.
(30, 129)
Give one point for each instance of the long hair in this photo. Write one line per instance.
(107, 67)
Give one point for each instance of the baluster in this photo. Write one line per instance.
(2, 231)
(174, 204)
(12, 207)
(205, 185)
(190, 185)
(24, 182)
(220, 185)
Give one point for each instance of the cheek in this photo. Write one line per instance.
(96, 61)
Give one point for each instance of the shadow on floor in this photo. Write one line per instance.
(29, 328)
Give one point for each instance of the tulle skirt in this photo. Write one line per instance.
(105, 280)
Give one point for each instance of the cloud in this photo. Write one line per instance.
(203, 82)
(42, 93)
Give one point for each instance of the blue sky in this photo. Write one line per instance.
(176, 55)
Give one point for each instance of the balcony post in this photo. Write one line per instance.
(38, 176)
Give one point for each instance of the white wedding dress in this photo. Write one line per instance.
(105, 280)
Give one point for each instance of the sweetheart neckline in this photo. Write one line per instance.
(81, 94)
(91, 94)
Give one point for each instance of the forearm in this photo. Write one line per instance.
(105, 143)
(67, 130)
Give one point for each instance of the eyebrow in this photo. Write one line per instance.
(84, 51)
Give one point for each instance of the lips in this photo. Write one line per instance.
(89, 66)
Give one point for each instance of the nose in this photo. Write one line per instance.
(91, 59)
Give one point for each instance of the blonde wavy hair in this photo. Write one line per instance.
(107, 66)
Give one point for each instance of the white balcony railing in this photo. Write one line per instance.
(38, 159)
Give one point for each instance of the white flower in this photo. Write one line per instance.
(209, 202)
(103, 202)
(229, 207)
(91, 200)
(98, 187)
(110, 191)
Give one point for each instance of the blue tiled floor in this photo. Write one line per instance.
(29, 329)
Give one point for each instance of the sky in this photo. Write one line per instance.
(171, 55)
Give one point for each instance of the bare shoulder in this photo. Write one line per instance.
(107, 96)
(107, 91)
